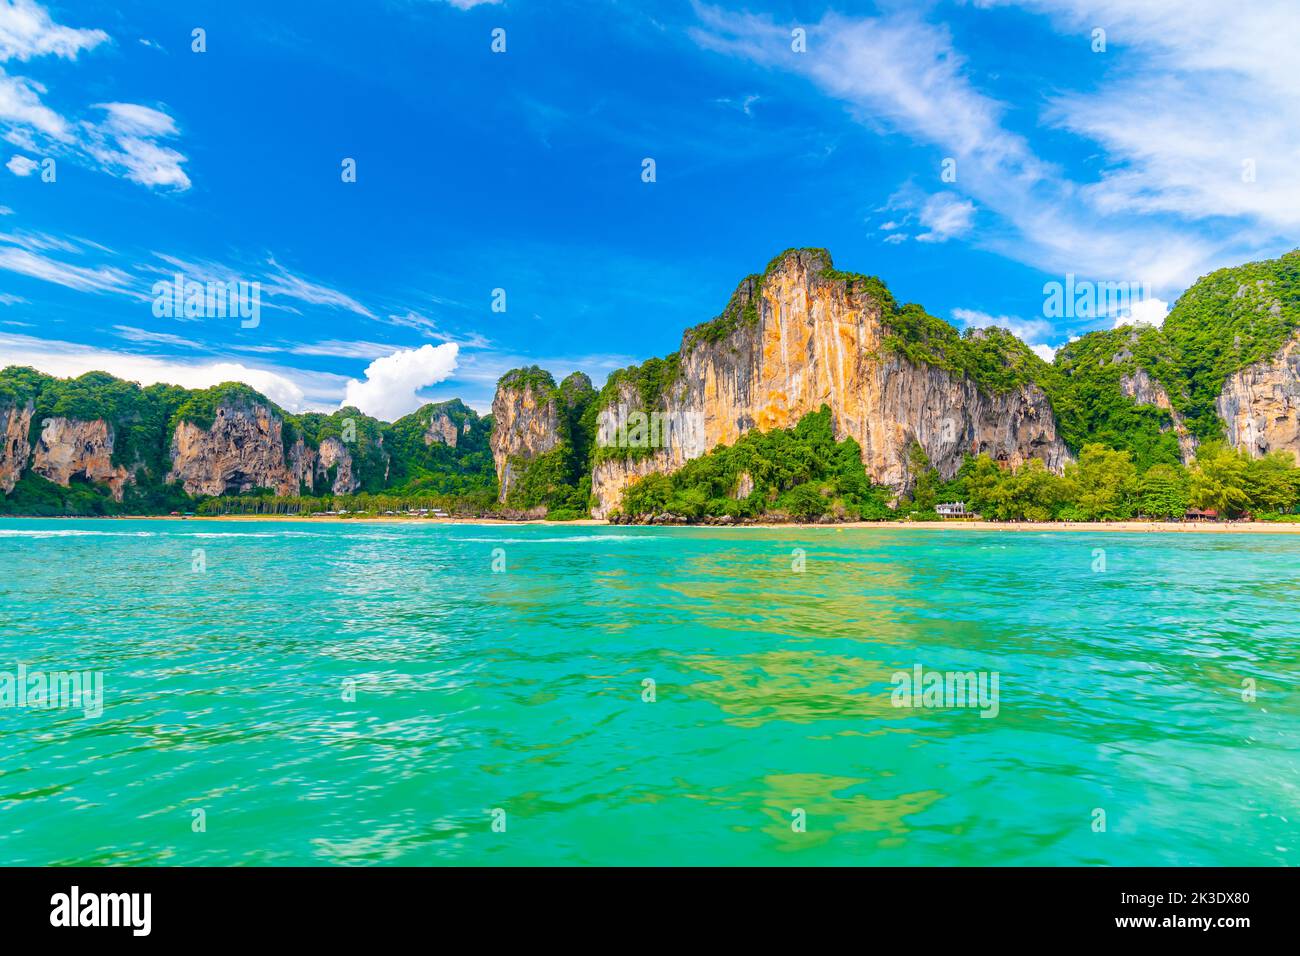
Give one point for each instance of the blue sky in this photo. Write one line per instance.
(1173, 151)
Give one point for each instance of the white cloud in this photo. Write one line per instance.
(7, 299)
(899, 73)
(132, 334)
(1025, 329)
(81, 278)
(336, 349)
(286, 284)
(26, 30)
(38, 241)
(21, 138)
(1197, 88)
(21, 165)
(124, 144)
(471, 4)
(392, 383)
(1029, 331)
(414, 320)
(1144, 312)
(895, 237)
(20, 103)
(946, 216)
(292, 389)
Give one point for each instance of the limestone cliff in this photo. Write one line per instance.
(1260, 404)
(802, 336)
(334, 454)
(69, 448)
(443, 430)
(1145, 390)
(526, 423)
(15, 450)
(241, 450)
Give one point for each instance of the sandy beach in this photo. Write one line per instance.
(1123, 527)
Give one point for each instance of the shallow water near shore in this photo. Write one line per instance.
(1120, 663)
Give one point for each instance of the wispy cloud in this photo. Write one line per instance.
(899, 73)
(21, 165)
(26, 31)
(38, 241)
(81, 278)
(146, 337)
(20, 104)
(1203, 118)
(294, 389)
(334, 348)
(411, 319)
(946, 216)
(125, 143)
(284, 283)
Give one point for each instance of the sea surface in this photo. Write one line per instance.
(365, 693)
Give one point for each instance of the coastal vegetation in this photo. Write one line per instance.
(803, 474)
(800, 472)
(1226, 321)
(391, 458)
(558, 481)
(1137, 406)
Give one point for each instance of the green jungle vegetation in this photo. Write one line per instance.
(1128, 454)
(392, 459)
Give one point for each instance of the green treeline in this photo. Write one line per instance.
(800, 472)
(1129, 457)
(803, 474)
(393, 459)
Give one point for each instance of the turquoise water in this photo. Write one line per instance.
(1119, 689)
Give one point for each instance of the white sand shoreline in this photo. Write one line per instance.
(1123, 527)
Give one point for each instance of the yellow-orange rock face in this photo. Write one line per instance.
(818, 341)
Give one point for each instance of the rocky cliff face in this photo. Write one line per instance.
(71, 448)
(15, 450)
(334, 454)
(813, 340)
(1260, 404)
(1144, 390)
(243, 449)
(526, 425)
(443, 430)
